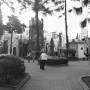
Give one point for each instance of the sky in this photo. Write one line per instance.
(52, 23)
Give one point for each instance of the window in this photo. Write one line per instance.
(81, 48)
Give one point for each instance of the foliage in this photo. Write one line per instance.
(1, 24)
(84, 23)
(51, 47)
(36, 5)
(78, 10)
(14, 25)
(57, 61)
(9, 3)
(71, 52)
(86, 2)
(11, 67)
(33, 35)
(71, 58)
(4, 47)
(86, 54)
(59, 5)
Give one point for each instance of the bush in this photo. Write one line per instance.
(73, 58)
(57, 60)
(71, 52)
(11, 67)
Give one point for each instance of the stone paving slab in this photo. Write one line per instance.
(56, 78)
(16, 87)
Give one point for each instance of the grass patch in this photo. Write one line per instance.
(86, 80)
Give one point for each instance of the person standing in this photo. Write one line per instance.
(43, 59)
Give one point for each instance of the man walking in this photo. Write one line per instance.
(43, 59)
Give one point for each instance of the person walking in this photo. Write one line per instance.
(33, 56)
(43, 59)
(29, 55)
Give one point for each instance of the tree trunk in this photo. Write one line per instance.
(67, 45)
(37, 28)
(11, 43)
(21, 46)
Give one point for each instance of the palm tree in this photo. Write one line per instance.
(78, 12)
(58, 9)
(86, 2)
(84, 22)
(9, 3)
(67, 45)
(14, 25)
(37, 6)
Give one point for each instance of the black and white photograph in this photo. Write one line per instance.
(44, 44)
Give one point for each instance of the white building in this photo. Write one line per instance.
(80, 48)
(15, 39)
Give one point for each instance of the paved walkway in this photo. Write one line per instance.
(56, 77)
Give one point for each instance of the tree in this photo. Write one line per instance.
(51, 47)
(86, 2)
(83, 23)
(9, 3)
(33, 35)
(60, 7)
(41, 5)
(37, 6)
(71, 52)
(14, 25)
(1, 24)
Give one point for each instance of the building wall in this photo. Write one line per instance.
(15, 43)
(75, 47)
(89, 44)
(81, 50)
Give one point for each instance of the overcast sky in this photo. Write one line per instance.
(53, 23)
